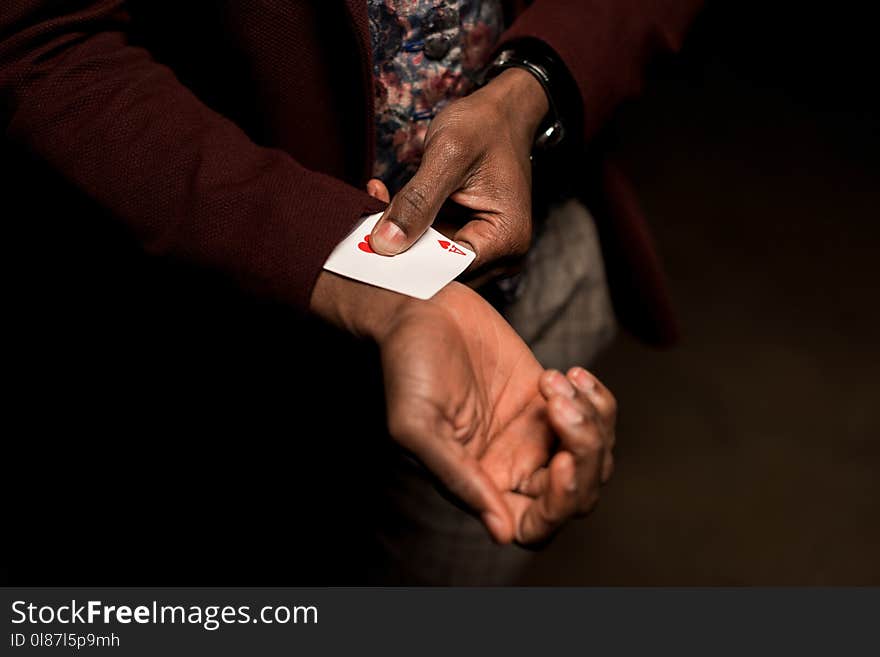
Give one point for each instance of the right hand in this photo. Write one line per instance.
(476, 155)
(465, 395)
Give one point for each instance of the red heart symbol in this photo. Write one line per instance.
(365, 245)
(449, 246)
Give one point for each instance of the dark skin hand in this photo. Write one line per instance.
(525, 449)
(477, 156)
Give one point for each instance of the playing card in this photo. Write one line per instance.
(421, 271)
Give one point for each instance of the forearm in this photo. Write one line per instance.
(185, 180)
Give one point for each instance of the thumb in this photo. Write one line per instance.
(465, 478)
(428, 437)
(414, 208)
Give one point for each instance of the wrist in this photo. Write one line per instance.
(521, 98)
(363, 310)
(564, 119)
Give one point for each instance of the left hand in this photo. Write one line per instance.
(476, 155)
(582, 413)
(525, 448)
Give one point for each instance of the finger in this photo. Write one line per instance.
(595, 391)
(553, 383)
(522, 448)
(495, 239)
(580, 434)
(377, 189)
(463, 476)
(536, 484)
(414, 207)
(588, 394)
(606, 405)
(558, 502)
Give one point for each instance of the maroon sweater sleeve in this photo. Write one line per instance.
(605, 43)
(188, 182)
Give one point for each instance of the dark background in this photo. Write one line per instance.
(747, 455)
(750, 454)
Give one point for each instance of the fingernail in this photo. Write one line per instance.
(388, 239)
(569, 412)
(561, 386)
(583, 380)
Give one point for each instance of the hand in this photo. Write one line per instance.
(466, 396)
(582, 412)
(477, 155)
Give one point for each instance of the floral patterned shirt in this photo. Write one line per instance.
(426, 53)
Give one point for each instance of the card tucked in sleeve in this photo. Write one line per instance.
(421, 271)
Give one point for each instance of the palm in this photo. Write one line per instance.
(462, 390)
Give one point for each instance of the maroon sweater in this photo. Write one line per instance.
(238, 135)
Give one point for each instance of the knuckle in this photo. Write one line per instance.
(590, 444)
(591, 412)
(450, 146)
(605, 402)
(414, 199)
(550, 516)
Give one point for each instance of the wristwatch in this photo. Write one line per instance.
(565, 116)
